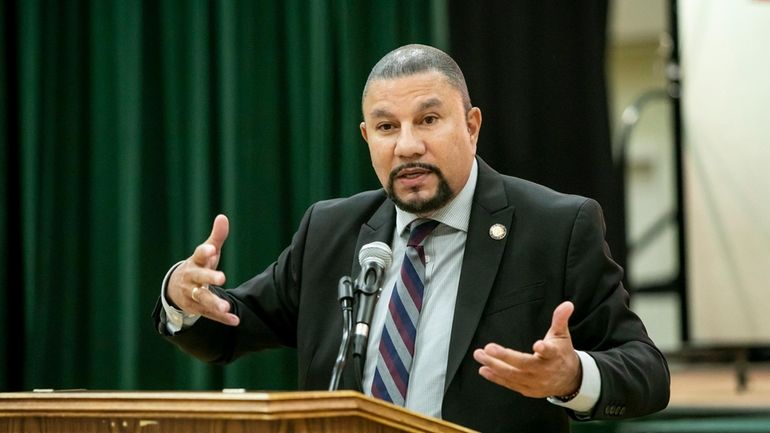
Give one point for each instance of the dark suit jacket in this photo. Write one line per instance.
(554, 251)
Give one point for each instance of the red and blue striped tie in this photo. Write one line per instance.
(391, 377)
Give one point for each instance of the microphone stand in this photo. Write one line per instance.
(374, 258)
(367, 293)
(345, 292)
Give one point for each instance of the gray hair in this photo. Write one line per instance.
(414, 59)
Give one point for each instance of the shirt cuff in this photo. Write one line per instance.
(590, 387)
(176, 319)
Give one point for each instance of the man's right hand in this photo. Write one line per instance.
(188, 286)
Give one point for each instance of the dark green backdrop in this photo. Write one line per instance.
(125, 126)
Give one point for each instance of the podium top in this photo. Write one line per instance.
(264, 406)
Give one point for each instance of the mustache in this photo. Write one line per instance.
(422, 165)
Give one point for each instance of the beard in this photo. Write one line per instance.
(420, 206)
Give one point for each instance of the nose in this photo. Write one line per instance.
(409, 145)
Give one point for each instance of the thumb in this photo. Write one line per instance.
(219, 232)
(560, 321)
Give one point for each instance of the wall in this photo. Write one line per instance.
(726, 93)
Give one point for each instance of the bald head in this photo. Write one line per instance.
(415, 59)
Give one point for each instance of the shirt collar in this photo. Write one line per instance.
(455, 214)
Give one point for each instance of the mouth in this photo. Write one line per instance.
(412, 170)
(410, 173)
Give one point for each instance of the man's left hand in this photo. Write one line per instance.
(553, 369)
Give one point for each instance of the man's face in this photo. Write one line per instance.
(421, 140)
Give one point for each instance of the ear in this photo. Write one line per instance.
(362, 127)
(473, 121)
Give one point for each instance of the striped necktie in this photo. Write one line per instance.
(391, 376)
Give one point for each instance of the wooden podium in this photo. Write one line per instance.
(210, 412)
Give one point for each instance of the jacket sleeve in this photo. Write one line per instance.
(634, 374)
(266, 304)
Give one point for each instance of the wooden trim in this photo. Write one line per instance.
(279, 406)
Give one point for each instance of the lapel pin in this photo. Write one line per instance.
(497, 232)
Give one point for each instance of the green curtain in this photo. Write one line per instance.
(135, 123)
(4, 202)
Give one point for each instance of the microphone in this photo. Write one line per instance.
(345, 296)
(375, 258)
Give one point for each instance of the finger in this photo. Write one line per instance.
(490, 375)
(499, 365)
(492, 368)
(507, 381)
(207, 253)
(545, 349)
(509, 356)
(197, 276)
(203, 254)
(560, 321)
(219, 231)
(513, 382)
(212, 306)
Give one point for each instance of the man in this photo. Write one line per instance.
(521, 318)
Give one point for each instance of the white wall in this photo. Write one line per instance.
(725, 50)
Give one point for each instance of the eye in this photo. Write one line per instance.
(430, 120)
(385, 127)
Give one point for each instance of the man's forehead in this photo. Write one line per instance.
(388, 108)
(414, 93)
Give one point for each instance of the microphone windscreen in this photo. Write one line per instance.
(377, 252)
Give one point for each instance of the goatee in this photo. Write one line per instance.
(421, 206)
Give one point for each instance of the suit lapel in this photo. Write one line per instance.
(379, 228)
(480, 262)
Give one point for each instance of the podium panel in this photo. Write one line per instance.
(210, 412)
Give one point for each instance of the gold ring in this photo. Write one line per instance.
(194, 294)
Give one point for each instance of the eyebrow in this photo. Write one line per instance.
(425, 105)
(380, 112)
(430, 103)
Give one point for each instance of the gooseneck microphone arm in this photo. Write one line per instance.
(374, 258)
(367, 292)
(345, 292)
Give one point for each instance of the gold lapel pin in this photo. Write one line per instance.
(497, 232)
